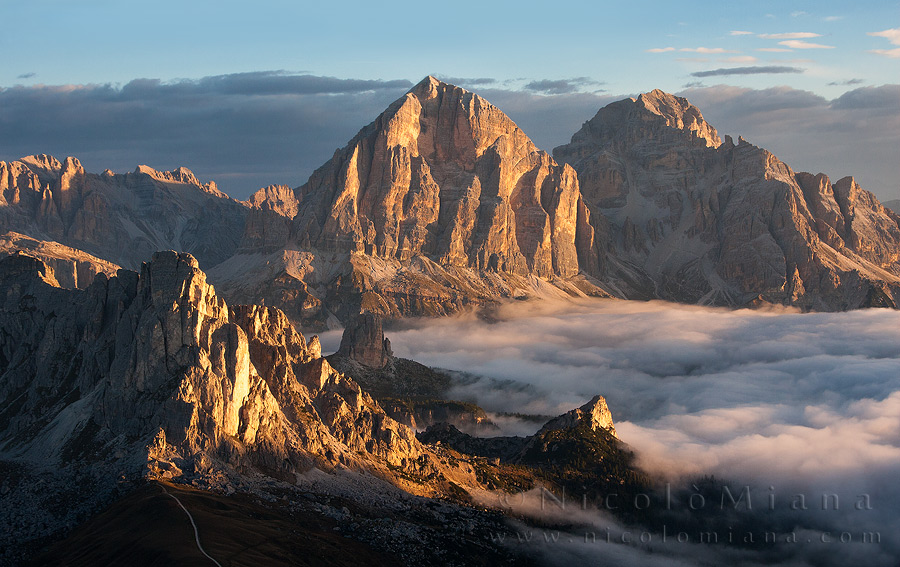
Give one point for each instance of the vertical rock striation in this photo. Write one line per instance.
(691, 218)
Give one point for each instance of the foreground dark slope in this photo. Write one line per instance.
(152, 375)
(694, 219)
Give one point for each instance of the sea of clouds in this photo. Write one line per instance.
(784, 402)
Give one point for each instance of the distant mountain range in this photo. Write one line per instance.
(443, 202)
(120, 363)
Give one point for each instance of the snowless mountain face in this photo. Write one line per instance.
(152, 374)
(443, 202)
(694, 219)
(121, 218)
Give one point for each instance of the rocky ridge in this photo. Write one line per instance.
(121, 218)
(71, 267)
(443, 203)
(152, 374)
(440, 203)
(691, 218)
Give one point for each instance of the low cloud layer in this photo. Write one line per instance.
(560, 86)
(802, 403)
(248, 130)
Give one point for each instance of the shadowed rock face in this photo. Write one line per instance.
(364, 341)
(693, 219)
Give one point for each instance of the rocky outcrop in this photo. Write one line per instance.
(595, 413)
(72, 268)
(364, 341)
(153, 375)
(411, 393)
(577, 451)
(121, 218)
(690, 218)
(157, 369)
(440, 203)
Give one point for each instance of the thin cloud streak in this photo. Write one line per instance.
(800, 44)
(892, 35)
(791, 35)
(762, 70)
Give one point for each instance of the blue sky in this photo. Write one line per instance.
(549, 54)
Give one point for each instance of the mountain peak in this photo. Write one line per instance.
(429, 86)
(50, 164)
(179, 175)
(595, 412)
(679, 113)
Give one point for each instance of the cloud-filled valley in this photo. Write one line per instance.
(800, 402)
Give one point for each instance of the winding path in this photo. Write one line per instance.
(191, 518)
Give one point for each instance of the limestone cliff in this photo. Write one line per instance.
(441, 202)
(72, 268)
(158, 369)
(690, 218)
(121, 218)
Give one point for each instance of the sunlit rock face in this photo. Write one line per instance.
(692, 218)
(595, 413)
(439, 203)
(121, 218)
(157, 367)
(445, 174)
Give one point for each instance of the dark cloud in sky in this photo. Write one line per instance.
(762, 70)
(804, 403)
(856, 134)
(848, 82)
(243, 131)
(886, 97)
(26, 76)
(560, 86)
(248, 130)
(466, 82)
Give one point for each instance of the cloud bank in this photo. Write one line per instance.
(249, 130)
(244, 130)
(761, 70)
(801, 403)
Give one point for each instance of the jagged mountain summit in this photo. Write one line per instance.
(152, 374)
(695, 219)
(121, 218)
(440, 202)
